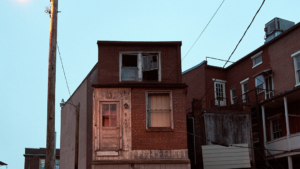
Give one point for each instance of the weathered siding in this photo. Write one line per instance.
(122, 95)
(68, 127)
(91, 79)
(228, 129)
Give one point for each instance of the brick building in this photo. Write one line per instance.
(129, 112)
(35, 158)
(266, 81)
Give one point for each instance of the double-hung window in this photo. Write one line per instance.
(245, 89)
(139, 66)
(220, 95)
(269, 86)
(159, 109)
(296, 57)
(259, 84)
(257, 59)
(233, 96)
(276, 131)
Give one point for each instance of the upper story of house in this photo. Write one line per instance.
(267, 71)
(139, 62)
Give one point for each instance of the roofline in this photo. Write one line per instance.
(96, 65)
(194, 67)
(253, 52)
(266, 44)
(139, 43)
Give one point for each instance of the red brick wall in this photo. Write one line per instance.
(108, 61)
(195, 80)
(213, 72)
(158, 140)
(243, 70)
(276, 56)
(281, 61)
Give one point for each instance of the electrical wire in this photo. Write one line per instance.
(62, 65)
(202, 31)
(234, 49)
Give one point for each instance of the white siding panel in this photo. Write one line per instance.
(219, 157)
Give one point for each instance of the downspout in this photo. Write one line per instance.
(194, 138)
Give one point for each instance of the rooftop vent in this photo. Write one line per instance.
(275, 27)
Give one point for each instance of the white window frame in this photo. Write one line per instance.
(263, 83)
(265, 87)
(297, 72)
(139, 64)
(243, 90)
(272, 118)
(231, 96)
(159, 92)
(222, 82)
(259, 54)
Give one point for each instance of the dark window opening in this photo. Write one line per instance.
(129, 61)
(150, 75)
(129, 67)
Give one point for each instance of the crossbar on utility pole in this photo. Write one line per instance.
(50, 147)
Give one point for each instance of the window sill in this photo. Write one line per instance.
(298, 84)
(159, 129)
(256, 65)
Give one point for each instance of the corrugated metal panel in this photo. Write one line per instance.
(220, 157)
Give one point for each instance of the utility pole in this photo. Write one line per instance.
(50, 147)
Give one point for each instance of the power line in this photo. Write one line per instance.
(235, 48)
(62, 65)
(202, 31)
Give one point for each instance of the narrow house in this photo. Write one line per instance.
(129, 112)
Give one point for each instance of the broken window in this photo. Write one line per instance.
(140, 66)
(129, 67)
(150, 67)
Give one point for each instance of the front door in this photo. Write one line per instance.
(109, 126)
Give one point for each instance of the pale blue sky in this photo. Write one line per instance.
(24, 45)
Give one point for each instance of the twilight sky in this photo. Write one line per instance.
(24, 47)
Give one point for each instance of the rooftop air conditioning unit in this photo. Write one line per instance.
(275, 27)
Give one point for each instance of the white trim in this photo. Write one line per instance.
(219, 80)
(287, 122)
(259, 54)
(276, 140)
(263, 83)
(231, 99)
(256, 64)
(295, 54)
(264, 126)
(160, 92)
(256, 55)
(244, 81)
(222, 103)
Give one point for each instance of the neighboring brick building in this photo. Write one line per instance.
(129, 112)
(266, 80)
(35, 158)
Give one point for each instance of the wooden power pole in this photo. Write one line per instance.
(50, 147)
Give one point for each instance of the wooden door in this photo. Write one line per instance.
(109, 126)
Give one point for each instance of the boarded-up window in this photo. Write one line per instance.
(159, 110)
